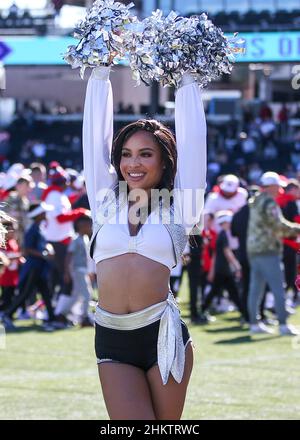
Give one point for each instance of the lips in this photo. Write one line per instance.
(136, 177)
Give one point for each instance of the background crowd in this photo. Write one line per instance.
(263, 140)
(46, 247)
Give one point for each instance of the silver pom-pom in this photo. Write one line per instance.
(101, 35)
(163, 49)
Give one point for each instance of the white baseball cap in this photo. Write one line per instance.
(270, 178)
(230, 183)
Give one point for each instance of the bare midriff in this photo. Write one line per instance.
(131, 282)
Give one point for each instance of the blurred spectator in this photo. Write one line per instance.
(226, 267)
(9, 278)
(59, 231)
(17, 203)
(228, 195)
(266, 226)
(192, 255)
(288, 204)
(34, 273)
(76, 270)
(239, 228)
(38, 174)
(209, 238)
(265, 112)
(283, 117)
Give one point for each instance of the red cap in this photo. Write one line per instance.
(57, 176)
(54, 164)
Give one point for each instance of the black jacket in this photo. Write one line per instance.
(239, 226)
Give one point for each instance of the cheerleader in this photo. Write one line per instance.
(144, 350)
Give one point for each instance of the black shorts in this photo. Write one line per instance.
(135, 347)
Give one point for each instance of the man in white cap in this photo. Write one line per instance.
(229, 196)
(266, 228)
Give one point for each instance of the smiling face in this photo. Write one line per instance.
(141, 162)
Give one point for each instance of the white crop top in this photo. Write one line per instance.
(153, 240)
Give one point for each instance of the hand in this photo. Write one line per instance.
(50, 249)
(186, 259)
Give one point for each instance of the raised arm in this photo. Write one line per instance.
(190, 125)
(97, 137)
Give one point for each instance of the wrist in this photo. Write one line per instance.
(101, 72)
(187, 79)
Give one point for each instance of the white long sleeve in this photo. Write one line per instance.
(190, 125)
(99, 174)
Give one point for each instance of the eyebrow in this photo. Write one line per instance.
(141, 149)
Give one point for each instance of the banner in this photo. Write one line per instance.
(261, 47)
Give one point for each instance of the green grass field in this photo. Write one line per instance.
(54, 376)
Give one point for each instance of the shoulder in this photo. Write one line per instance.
(242, 193)
(53, 196)
(212, 196)
(211, 202)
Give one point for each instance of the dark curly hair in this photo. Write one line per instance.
(164, 138)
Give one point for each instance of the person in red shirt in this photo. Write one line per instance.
(209, 236)
(9, 278)
(58, 231)
(288, 204)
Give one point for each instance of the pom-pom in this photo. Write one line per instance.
(163, 49)
(101, 35)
